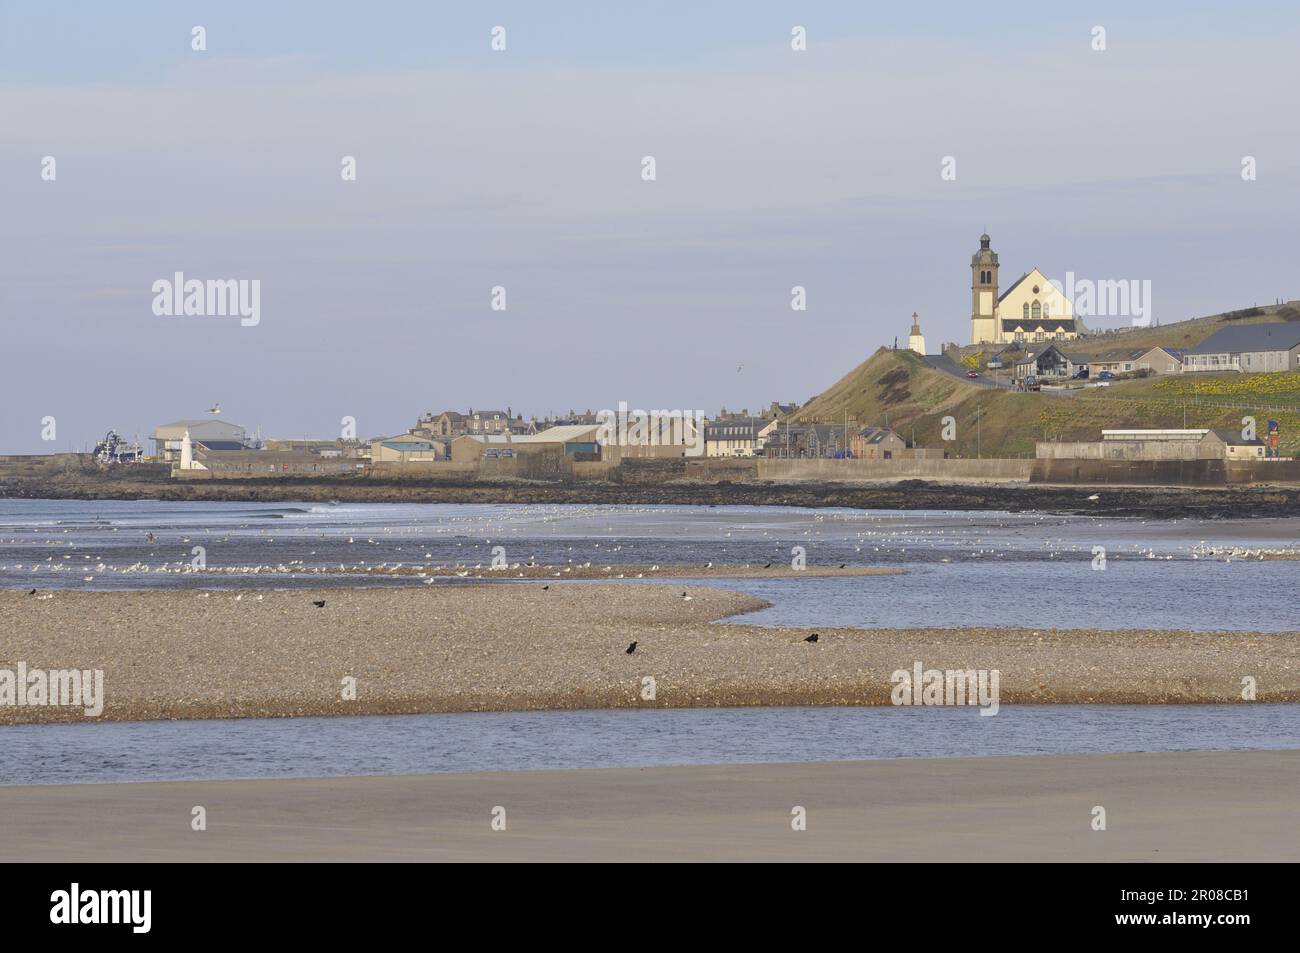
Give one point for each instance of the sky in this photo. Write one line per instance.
(522, 169)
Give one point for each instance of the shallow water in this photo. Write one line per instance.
(511, 741)
(963, 568)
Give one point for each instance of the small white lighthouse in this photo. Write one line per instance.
(916, 340)
(187, 451)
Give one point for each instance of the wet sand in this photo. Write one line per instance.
(537, 645)
(1187, 806)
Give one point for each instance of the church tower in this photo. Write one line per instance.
(916, 340)
(984, 294)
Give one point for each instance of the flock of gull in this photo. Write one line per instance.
(898, 537)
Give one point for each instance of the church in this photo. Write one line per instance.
(1031, 310)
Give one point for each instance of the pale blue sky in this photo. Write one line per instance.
(522, 168)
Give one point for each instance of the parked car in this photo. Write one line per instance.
(1105, 376)
(972, 373)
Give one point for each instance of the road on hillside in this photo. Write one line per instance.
(941, 362)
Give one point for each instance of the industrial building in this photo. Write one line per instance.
(568, 441)
(213, 434)
(407, 448)
(1148, 445)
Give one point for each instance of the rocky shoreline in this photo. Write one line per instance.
(1129, 501)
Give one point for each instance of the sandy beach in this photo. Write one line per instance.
(1190, 806)
(188, 654)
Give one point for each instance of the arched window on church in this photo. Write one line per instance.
(1047, 309)
(1026, 309)
(1036, 311)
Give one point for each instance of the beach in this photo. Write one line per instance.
(1187, 807)
(534, 645)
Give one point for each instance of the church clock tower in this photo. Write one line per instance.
(984, 294)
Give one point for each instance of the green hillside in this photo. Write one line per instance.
(898, 388)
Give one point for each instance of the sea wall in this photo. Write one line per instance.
(1165, 472)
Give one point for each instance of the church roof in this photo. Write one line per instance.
(1016, 284)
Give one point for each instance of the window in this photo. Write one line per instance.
(1036, 311)
(1026, 310)
(1047, 309)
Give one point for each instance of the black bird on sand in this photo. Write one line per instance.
(812, 638)
(319, 604)
(32, 592)
(842, 565)
(768, 566)
(544, 588)
(631, 648)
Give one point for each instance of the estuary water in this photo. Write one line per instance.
(961, 569)
(513, 741)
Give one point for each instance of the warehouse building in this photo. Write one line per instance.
(406, 448)
(1149, 445)
(568, 441)
(212, 433)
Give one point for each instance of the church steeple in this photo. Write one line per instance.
(984, 292)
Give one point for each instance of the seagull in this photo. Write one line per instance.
(631, 648)
(214, 409)
(1095, 496)
(812, 638)
(319, 604)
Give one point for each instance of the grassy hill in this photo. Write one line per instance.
(898, 388)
